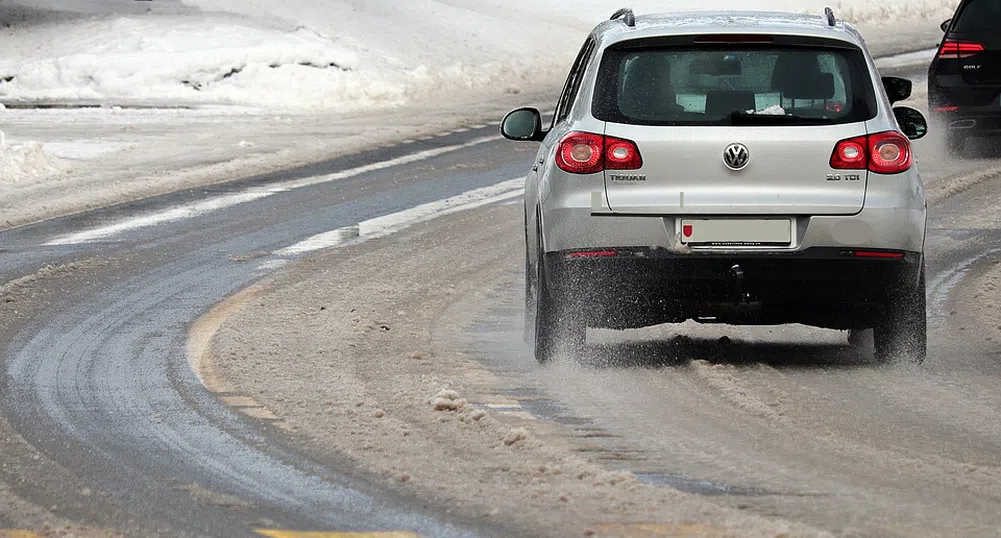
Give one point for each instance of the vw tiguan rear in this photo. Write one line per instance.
(727, 168)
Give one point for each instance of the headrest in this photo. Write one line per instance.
(646, 87)
(815, 86)
(797, 75)
(646, 73)
(721, 103)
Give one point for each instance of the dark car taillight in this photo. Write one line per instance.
(958, 50)
(589, 153)
(882, 153)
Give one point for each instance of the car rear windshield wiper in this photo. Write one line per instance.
(739, 117)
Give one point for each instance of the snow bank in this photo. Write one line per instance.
(182, 60)
(25, 161)
(334, 55)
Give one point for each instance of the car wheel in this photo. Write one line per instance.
(557, 328)
(955, 143)
(901, 333)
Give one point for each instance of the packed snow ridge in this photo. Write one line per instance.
(302, 55)
(20, 162)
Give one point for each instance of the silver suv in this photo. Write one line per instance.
(740, 168)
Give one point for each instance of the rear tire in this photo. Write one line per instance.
(558, 329)
(901, 333)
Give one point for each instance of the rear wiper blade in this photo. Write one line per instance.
(739, 117)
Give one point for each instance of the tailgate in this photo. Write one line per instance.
(787, 172)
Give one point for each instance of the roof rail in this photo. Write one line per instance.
(626, 15)
(829, 13)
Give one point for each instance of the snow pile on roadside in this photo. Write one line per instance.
(183, 60)
(19, 162)
(895, 13)
(336, 55)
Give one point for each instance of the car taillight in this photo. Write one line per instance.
(890, 153)
(957, 50)
(589, 153)
(580, 153)
(850, 154)
(882, 153)
(621, 154)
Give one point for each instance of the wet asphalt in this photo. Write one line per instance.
(96, 377)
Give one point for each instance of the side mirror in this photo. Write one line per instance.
(523, 124)
(911, 121)
(945, 25)
(897, 89)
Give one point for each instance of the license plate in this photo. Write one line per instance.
(736, 232)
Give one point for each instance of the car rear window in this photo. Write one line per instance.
(727, 85)
(980, 15)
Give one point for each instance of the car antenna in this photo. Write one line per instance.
(626, 15)
(830, 16)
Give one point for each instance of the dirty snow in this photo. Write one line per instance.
(481, 463)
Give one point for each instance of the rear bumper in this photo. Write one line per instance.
(972, 121)
(826, 287)
(892, 228)
(970, 108)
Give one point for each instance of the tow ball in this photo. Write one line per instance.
(737, 285)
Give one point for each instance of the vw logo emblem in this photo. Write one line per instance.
(736, 156)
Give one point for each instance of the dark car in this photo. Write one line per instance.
(964, 81)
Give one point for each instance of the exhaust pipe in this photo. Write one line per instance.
(963, 124)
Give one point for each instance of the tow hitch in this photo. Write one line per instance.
(737, 285)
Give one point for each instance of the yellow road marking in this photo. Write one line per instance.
(14, 533)
(653, 530)
(275, 533)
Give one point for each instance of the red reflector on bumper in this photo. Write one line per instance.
(946, 108)
(877, 254)
(594, 254)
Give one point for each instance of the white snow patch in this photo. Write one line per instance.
(774, 110)
(83, 149)
(177, 59)
(26, 161)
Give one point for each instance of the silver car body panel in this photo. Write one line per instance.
(787, 172)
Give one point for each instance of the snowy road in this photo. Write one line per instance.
(105, 425)
(97, 379)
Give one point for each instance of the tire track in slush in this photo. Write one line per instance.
(111, 375)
